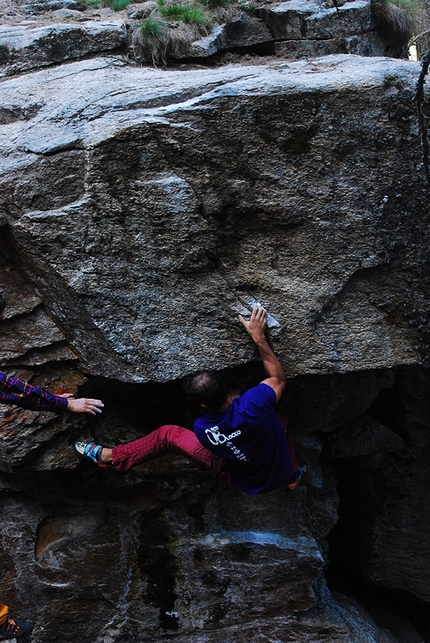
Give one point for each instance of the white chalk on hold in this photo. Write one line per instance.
(272, 322)
(249, 302)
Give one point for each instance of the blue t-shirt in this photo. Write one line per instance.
(251, 438)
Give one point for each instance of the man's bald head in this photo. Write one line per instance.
(207, 389)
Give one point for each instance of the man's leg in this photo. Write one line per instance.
(165, 439)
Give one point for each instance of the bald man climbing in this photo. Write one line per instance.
(240, 438)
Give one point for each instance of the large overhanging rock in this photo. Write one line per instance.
(151, 207)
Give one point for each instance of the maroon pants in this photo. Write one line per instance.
(167, 438)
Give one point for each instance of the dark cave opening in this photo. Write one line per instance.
(388, 607)
(365, 489)
(141, 408)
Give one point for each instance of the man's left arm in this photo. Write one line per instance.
(256, 328)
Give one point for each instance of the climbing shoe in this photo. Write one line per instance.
(91, 451)
(295, 480)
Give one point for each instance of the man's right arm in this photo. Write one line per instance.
(256, 327)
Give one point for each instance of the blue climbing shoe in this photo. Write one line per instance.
(91, 451)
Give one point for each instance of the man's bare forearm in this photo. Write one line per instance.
(271, 363)
(256, 327)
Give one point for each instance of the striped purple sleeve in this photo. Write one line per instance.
(20, 393)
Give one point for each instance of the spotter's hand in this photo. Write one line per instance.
(83, 404)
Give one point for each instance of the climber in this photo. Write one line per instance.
(20, 393)
(241, 439)
(11, 628)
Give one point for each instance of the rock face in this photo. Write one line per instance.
(310, 29)
(23, 48)
(289, 29)
(241, 31)
(149, 222)
(137, 219)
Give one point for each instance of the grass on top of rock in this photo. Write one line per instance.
(116, 5)
(150, 42)
(188, 13)
(191, 13)
(151, 28)
(408, 5)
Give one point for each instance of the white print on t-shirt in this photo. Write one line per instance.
(215, 437)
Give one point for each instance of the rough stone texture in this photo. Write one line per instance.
(367, 44)
(298, 20)
(289, 29)
(23, 48)
(241, 31)
(180, 558)
(139, 10)
(56, 5)
(166, 551)
(148, 221)
(35, 349)
(136, 221)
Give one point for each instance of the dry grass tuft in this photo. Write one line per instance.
(166, 42)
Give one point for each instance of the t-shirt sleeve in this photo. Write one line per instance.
(263, 396)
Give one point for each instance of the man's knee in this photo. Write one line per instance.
(169, 431)
(178, 438)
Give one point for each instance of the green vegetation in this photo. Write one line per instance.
(407, 5)
(151, 29)
(246, 5)
(393, 80)
(119, 5)
(92, 4)
(116, 5)
(187, 13)
(150, 41)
